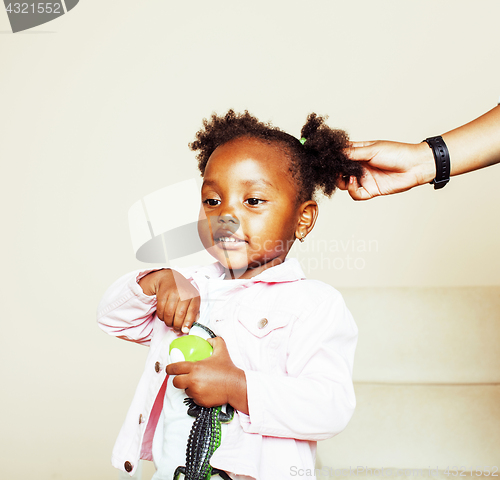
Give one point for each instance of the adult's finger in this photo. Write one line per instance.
(342, 182)
(357, 191)
(362, 144)
(361, 151)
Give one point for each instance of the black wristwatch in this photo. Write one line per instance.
(442, 159)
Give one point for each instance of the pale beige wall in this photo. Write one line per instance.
(427, 380)
(96, 110)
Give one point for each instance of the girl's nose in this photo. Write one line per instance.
(228, 219)
(228, 222)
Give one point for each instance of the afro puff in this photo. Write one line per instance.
(316, 163)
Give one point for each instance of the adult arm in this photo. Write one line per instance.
(392, 167)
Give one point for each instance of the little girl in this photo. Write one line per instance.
(285, 345)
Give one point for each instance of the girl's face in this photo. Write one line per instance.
(249, 200)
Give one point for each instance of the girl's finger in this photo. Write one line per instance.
(180, 314)
(170, 308)
(184, 287)
(217, 343)
(161, 301)
(180, 381)
(192, 314)
(179, 368)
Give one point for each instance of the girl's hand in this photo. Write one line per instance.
(177, 301)
(389, 167)
(213, 381)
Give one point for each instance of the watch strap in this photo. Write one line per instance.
(442, 159)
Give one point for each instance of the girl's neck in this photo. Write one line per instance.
(251, 272)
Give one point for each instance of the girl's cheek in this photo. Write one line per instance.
(204, 233)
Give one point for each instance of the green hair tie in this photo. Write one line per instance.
(303, 140)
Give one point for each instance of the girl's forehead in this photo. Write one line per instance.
(248, 165)
(249, 154)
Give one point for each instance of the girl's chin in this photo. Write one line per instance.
(238, 262)
(230, 259)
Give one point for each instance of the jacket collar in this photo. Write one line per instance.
(288, 271)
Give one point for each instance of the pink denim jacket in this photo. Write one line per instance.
(295, 340)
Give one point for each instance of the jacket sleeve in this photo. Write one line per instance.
(126, 312)
(315, 399)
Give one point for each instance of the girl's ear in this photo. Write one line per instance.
(308, 213)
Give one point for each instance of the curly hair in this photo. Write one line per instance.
(316, 164)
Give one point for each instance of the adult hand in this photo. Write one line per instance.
(388, 167)
(391, 167)
(177, 300)
(213, 381)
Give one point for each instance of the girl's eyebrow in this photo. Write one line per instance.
(260, 181)
(250, 182)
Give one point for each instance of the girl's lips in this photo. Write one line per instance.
(230, 246)
(227, 235)
(227, 242)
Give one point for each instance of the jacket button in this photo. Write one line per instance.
(128, 466)
(141, 418)
(157, 367)
(262, 323)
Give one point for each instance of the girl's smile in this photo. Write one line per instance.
(250, 203)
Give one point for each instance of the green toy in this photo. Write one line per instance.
(190, 348)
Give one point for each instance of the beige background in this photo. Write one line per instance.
(97, 108)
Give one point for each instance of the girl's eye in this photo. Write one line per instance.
(212, 202)
(255, 201)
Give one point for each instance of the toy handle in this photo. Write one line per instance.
(196, 324)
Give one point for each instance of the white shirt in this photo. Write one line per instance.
(172, 432)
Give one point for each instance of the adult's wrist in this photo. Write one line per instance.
(425, 163)
(442, 158)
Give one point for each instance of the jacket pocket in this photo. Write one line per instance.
(260, 322)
